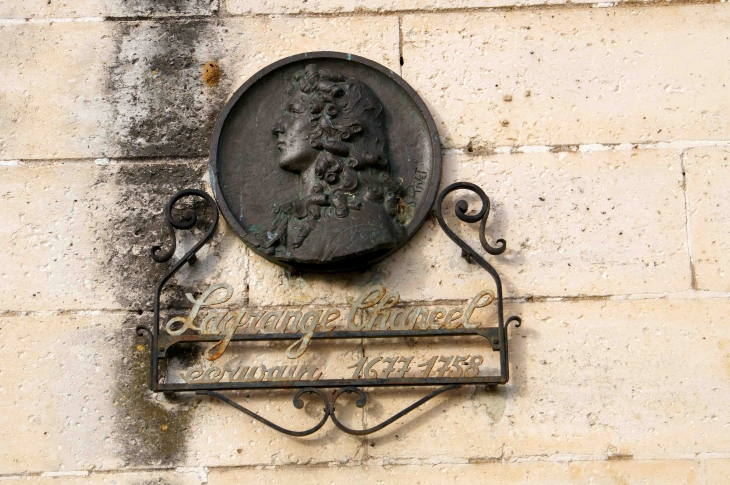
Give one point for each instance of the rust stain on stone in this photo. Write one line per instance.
(211, 73)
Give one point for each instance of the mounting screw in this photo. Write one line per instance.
(495, 341)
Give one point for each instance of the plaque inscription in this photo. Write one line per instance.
(374, 310)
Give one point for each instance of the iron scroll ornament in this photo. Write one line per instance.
(496, 336)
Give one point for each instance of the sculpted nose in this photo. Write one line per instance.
(278, 128)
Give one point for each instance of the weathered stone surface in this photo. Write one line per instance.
(618, 379)
(717, 472)
(74, 391)
(372, 6)
(57, 395)
(37, 9)
(708, 193)
(243, 7)
(156, 88)
(109, 89)
(563, 76)
(52, 102)
(595, 223)
(80, 236)
(630, 389)
(191, 477)
(668, 472)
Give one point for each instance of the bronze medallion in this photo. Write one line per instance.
(325, 162)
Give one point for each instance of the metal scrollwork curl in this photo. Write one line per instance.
(362, 400)
(329, 409)
(188, 220)
(513, 319)
(460, 210)
(297, 401)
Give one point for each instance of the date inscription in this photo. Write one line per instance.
(399, 367)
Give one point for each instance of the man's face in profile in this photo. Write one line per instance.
(292, 135)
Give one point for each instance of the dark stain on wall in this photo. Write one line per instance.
(150, 429)
(148, 432)
(162, 105)
(162, 109)
(180, 7)
(138, 223)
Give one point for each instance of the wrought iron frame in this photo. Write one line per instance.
(496, 336)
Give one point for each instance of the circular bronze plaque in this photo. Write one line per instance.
(325, 162)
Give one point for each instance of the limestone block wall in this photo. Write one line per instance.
(601, 132)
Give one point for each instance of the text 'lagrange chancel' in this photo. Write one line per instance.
(382, 314)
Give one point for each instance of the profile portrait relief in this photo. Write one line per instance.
(332, 134)
(325, 162)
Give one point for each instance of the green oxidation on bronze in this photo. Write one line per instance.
(148, 432)
(325, 162)
(405, 212)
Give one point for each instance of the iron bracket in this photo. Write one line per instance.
(496, 336)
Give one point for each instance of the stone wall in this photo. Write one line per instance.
(601, 131)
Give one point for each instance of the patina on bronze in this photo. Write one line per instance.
(325, 162)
